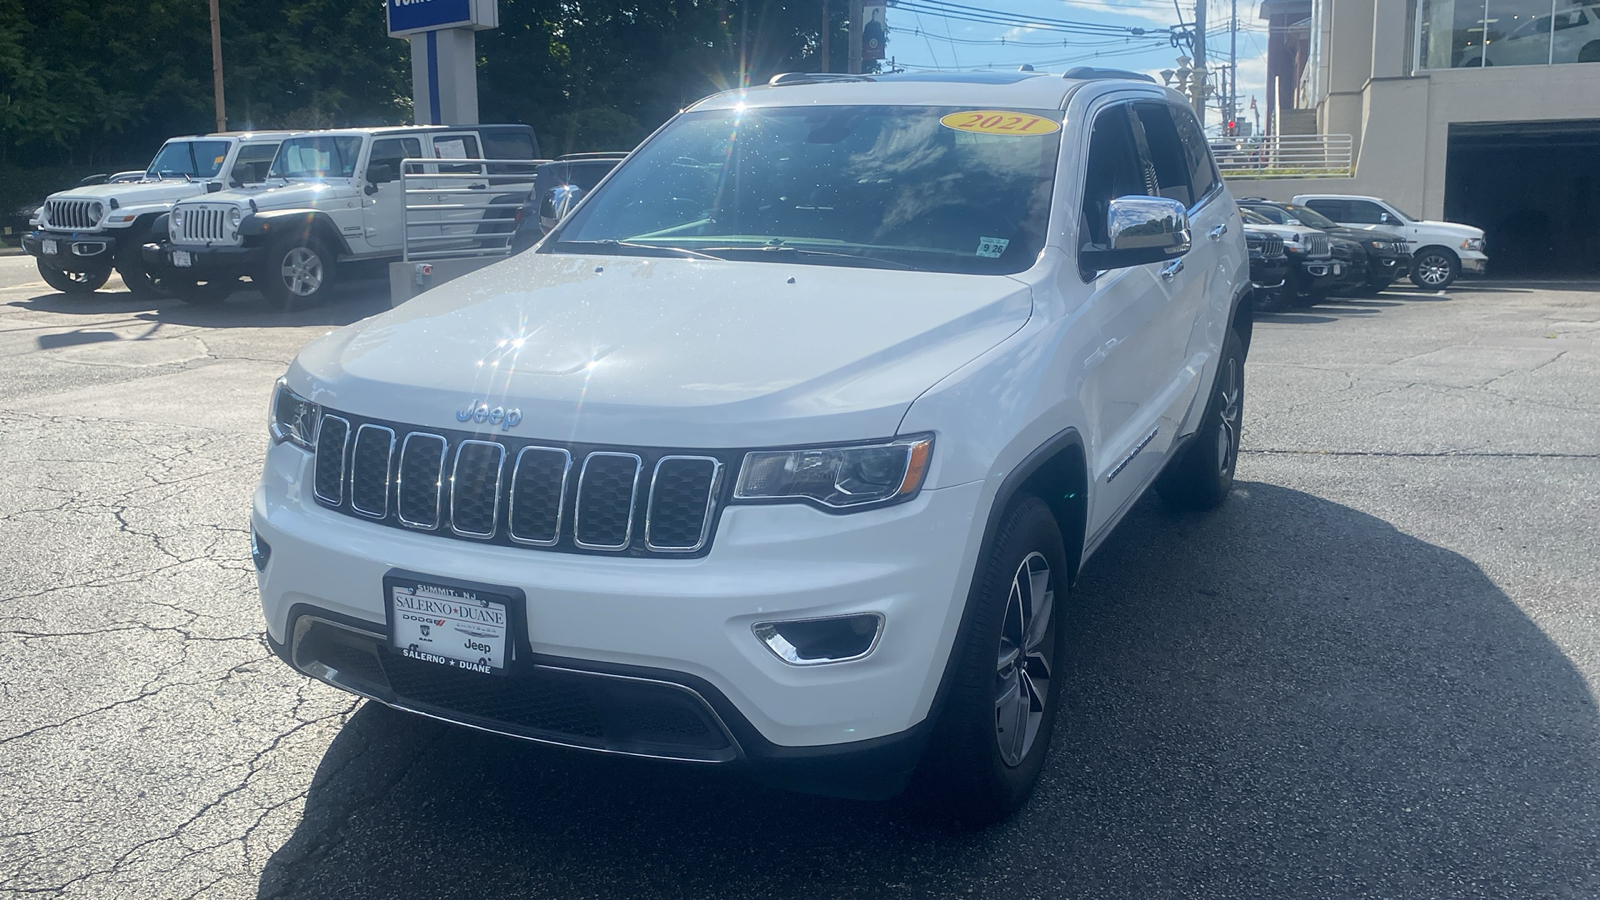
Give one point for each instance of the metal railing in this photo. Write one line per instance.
(1286, 156)
(462, 208)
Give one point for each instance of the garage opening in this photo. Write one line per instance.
(1534, 188)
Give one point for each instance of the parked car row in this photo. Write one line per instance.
(1337, 244)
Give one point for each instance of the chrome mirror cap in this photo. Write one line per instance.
(1148, 223)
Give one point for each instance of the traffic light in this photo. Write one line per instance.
(1233, 128)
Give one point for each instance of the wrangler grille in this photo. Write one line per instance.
(202, 224)
(71, 215)
(1267, 246)
(493, 488)
(1317, 245)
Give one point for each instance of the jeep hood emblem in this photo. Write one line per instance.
(484, 414)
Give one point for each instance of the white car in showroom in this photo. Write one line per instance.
(783, 449)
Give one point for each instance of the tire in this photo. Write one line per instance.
(74, 282)
(1434, 268)
(990, 741)
(202, 293)
(296, 272)
(1202, 477)
(140, 279)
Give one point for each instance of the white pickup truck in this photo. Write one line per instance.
(1440, 251)
(85, 232)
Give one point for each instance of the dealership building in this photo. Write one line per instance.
(1485, 112)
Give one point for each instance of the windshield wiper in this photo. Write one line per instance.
(779, 248)
(655, 249)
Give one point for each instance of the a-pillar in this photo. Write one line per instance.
(444, 77)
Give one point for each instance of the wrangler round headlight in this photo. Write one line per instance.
(848, 477)
(177, 216)
(96, 210)
(234, 216)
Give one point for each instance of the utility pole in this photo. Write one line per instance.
(855, 37)
(827, 26)
(1233, 65)
(216, 67)
(1198, 89)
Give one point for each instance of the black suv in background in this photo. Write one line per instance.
(557, 186)
(1269, 267)
(1385, 257)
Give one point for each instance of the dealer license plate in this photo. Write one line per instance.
(182, 259)
(51, 248)
(461, 629)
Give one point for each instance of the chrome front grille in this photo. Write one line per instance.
(70, 215)
(1268, 246)
(1317, 245)
(492, 488)
(202, 224)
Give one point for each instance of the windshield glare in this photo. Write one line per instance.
(195, 159)
(317, 157)
(844, 185)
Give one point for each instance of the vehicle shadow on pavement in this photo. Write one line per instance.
(1283, 698)
(245, 309)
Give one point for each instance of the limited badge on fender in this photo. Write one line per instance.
(999, 121)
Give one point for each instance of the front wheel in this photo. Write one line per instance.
(1434, 269)
(990, 742)
(142, 280)
(1203, 475)
(74, 282)
(296, 272)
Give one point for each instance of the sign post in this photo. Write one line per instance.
(444, 73)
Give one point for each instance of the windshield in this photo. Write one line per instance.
(1311, 217)
(881, 186)
(317, 157)
(1253, 217)
(194, 159)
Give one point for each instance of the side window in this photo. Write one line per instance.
(509, 145)
(252, 163)
(457, 146)
(389, 152)
(1202, 171)
(1337, 210)
(1272, 214)
(1363, 212)
(1165, 151)
(1114, 170)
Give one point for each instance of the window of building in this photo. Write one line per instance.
(1455, 34)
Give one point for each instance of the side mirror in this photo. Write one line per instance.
(1384, 218)
(557, 203)
(1140, 230)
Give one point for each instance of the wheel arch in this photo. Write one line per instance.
(307, 223)
(1242, 317)
(1426, 247)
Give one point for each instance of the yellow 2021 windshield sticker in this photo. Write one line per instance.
(999, 121)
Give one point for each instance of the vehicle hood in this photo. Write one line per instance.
(1287, 232)
(284, 194)
(1446, 230)
(1361, 235)
(666, 352)
(135, 193)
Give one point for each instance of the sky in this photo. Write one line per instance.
(921, 40)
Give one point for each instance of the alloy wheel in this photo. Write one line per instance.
(1433, 270)
(302, 271)
(1022, 669)
(1232, 411)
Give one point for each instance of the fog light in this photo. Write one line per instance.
(813, 642)
(260, 551)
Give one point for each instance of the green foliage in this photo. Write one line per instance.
(100, 83)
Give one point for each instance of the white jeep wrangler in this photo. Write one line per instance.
(330, 198)
(783, 449)
(85, 232)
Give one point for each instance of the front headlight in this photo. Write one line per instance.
(177, 216)
(1472, 244)
(849, 477)
(1381, 245)
(292, 418)
(96, 210)
(233, 218)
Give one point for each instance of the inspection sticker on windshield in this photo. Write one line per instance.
(460, 629)
(998, 121)
(992, 248)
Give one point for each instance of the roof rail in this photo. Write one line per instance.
(792, 78)
(1089, 73)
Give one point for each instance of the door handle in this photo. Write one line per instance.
(1216, 233)
(476, 187)
(1171, 269)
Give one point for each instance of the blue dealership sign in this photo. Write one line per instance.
(413, 16)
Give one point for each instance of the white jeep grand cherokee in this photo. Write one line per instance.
(784, 448)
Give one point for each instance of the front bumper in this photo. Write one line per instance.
(682, 623)
(72, 252)
(1386, 268)
(204, 261)
(1474, 262)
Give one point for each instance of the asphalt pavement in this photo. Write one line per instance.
(1371, 673)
